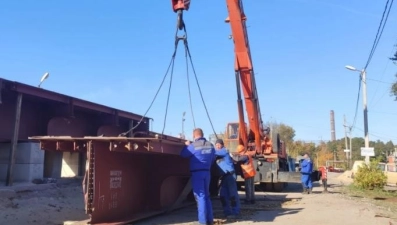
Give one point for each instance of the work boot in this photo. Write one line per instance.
(309, 191)
(304, 191)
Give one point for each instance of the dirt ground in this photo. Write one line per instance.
(63, 204)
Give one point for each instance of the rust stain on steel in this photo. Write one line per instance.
(124, 183)
(128, 186)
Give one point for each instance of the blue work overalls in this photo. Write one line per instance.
(202, 155)
(306, 171)
(228, 189)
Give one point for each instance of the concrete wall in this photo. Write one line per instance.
(70, 164)
(29, 162)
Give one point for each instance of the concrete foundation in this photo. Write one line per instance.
(33, 163)
(29, 162)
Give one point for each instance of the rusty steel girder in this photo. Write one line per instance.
(128, 179)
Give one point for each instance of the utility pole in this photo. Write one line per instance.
(364, 83)
(351, 149)
(348, 154)
(363, 77)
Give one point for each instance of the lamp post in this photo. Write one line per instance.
(43, 78)
(183, 125)
(364, 84)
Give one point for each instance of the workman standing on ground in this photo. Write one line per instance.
(324, 173)
(201, 154)
(306, 172)
(228, 189)
(267, 142)
(244, 159)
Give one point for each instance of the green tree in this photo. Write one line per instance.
(389, 147)
(300, 147)
(287, 133)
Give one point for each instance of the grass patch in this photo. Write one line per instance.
(379, 197)
(375, 193)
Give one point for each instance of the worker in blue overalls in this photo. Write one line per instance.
(201, 154)
(306, 172)
(228, 189)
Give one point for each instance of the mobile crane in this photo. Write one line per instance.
(138, 174)
(271, 160)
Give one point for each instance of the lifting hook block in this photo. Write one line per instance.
(180, 22)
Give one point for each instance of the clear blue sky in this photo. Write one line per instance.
(116, 52)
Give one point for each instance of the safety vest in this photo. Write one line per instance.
(248, 169)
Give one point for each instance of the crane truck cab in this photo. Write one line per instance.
(272, 168)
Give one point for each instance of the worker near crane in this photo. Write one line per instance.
(201, 154)
(306, 172)
(244, 159)
(228, 188)
(324, 172)
(267, 142)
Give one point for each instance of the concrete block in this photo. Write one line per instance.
(26, 153)
(70, 164)
(53, 164)
(23, 172)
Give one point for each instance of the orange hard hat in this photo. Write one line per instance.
(240, 148)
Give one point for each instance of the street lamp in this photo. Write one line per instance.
(183, 125)
(43, 78)
(364, 84)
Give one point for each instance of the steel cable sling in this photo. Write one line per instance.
(180, 26)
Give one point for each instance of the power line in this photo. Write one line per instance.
(384, 93)
(374, 45)
(383, 73)
(358, 99)
(391, 113)
(385, 136)
(380, 31)
(380, 81)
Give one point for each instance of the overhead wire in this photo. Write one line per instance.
(374, 46)
(383, 137)
(379, 31)
(380, 81)
(357, 102)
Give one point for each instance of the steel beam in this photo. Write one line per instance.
(11, 161)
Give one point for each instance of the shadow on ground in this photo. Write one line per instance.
(272, 204)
